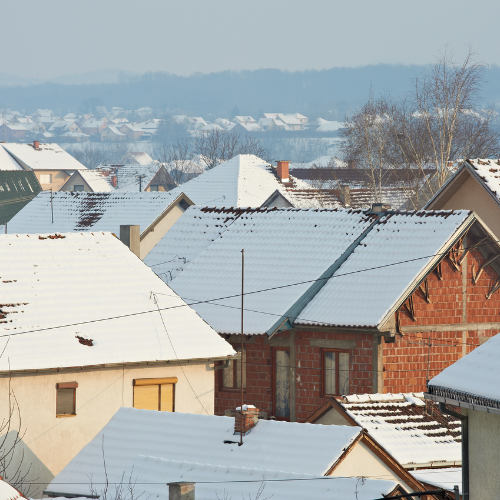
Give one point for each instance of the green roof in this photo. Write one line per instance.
(17, 188)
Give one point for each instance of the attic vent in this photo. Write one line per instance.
(83, 341)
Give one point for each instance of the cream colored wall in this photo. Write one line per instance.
(361, 461)
(78, 179)
(59, 177)
(49, 443)
(332, 417)
(159, 231)
(472, 196)
(484, 454)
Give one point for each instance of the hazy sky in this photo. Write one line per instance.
(60, 37)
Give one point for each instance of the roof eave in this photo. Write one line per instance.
(80, 368)
(440, 255)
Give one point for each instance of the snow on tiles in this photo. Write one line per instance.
(248, 181)
(393, 254)
(165, 447)
(74, 282)
(282, 248)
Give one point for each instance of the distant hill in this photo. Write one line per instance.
(329, 93)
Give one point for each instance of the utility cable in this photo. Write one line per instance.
(239, 295)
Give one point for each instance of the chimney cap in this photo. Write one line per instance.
(246, 407)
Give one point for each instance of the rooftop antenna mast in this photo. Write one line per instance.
(241, 354)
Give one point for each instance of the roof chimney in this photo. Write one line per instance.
(36, 144)
(131, 236)
(282, 167)
(379, 208)
(114, 180)
(182, 490)
(245, 420)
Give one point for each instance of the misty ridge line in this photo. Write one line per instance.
(330, 93)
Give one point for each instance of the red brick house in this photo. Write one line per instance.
(340, 301)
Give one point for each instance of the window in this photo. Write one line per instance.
(231, 374)
(46, 179)
(66, 399)
(78, 187)
(153, 188)
(155, 393)
(335, 372)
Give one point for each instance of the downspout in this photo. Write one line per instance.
(465, 447)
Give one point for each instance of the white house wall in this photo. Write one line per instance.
(484, 454)
(49, 442)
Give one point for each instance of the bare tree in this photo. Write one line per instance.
(179, 161)
(13, 466)
(439, 123)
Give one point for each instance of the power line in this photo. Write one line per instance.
(208, 301)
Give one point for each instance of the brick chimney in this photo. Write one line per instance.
(245, 420)
(282, 168)
(114, 180)
(36, 144)
(182, 490)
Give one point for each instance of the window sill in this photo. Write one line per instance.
(64, 415)
(238, 391)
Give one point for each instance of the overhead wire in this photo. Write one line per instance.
(207, 301)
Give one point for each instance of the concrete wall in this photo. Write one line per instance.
(484, 454)
(471, 195)
(361, 461)
(50, 442)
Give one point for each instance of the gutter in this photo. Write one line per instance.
(111, 366)
(55, 494)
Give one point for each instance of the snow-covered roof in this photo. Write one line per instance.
(79, 280)
(138, 156)
(351, 294)
(46, 157)
(7, 162)
(98, 182)
(320, 237)
(15, 126)
(127, 176)
(188, 237)
(271, 446)
(327, 126)
(80, 211)
(406, 428)
(113, 129)
(489, 172)
(93, 123)
(446, 478)
(245, 181)
(8, 492)
(133, 127)
(354, 298)
(226, 481)
(475, 378)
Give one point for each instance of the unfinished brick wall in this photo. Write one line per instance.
(308, 375)
(410, 361)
